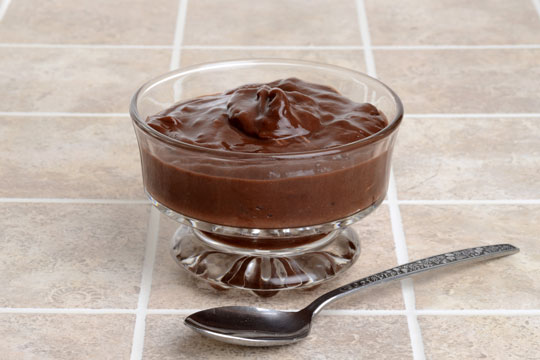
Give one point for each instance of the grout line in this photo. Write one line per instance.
(474, 115)
(362, 47)
(137, 346)
(146, 284)
(536, 4)
(407, 285)
(61, 114)
(267, 47)
(385, 202)
(407, 288)
(84, 311)
(178, 34)
(272, 47)
(336, 312)
(456, 47)
(172, 311)
(3, 8)
(75, 201)
(360, 312)
(366, 38)
(486, 312)
(344, 312)
(419, 116)
(395, 219)
(471, 202)
(86, 46)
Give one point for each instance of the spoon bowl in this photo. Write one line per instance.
(251, 326)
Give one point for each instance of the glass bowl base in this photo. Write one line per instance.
(265, 272)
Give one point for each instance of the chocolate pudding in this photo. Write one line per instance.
(276, 155)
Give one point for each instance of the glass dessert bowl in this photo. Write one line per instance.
(263, 221)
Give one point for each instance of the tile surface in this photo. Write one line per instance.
(272, 22)
(76, 80)
(468, 159)
(65, 336)
(460, 337)
(67, 255)
(462, 81)
(90, 22)
(174, 288)
(452, 22)
(64, 56)
(352, 59)
(505, 283)
(332, 337)
(70, 158)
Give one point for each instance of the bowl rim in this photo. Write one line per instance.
(380, 135)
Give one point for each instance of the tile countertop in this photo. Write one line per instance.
(84, 265)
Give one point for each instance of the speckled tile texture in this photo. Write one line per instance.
(468, 158)
(61, 336)
(462, 80)
(272, 22)
(508, 283)
(481, 337)
(71, 255)
(136, 22)
(86, 80)
(367, 338)
(352, 59)
(85, 268)
(456, 22)
(69, 157)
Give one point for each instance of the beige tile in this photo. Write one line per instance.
(454, 22)
(505, 283)
(219, 82)
(272, 22)
(352, 59)
(90, 22)
(173, 287)
(468, 159)
(76, 80)
(62, 336)
(71, 158)
(463, 81)
(67, 255)
(340, 337)
(481, 337)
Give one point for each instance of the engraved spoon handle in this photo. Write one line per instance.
(415, 267)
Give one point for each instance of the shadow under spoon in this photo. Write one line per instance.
(251, 326)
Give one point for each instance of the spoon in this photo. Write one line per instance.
(251, 326)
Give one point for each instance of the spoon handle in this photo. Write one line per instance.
(415, 267)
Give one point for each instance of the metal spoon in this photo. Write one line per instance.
(251, 326)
